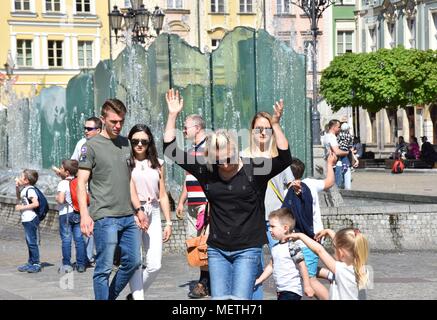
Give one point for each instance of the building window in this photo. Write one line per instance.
(344, 42)
(53, 5)
(391, 27)
(215, 43)
(283, 6)
(174, 4)
(218, 6)
(55, 53)
(83, 6)
(246, 6)
(85, 49)
(372, 33)
(22, 5)
(412, 30)
(433, 42)
(24, 53)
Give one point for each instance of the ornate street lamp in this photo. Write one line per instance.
(136, 21)
(313, 10)
(9, 70)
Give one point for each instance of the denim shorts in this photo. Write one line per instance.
(311, 261)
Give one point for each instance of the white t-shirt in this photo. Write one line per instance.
(27, 215)
(77, 149)
(146, 180)
(344, 286)
(316, 186)
(280, 182)
(64, 187)
(285, 272)
(329, 140)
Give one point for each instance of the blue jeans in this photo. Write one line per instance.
(233, 273)
(89, 247)
(108, 232)
(258, 293)
(31, 234)
(67, 232)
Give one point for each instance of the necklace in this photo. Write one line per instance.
(142, 164)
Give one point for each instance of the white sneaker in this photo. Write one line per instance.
(65, 269)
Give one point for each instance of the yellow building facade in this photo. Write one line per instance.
(50, 41)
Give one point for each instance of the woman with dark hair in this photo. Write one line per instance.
(148, 177)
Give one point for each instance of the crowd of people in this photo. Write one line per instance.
(245, 200)
(413, 151)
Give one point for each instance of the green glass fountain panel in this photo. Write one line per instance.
(281, 75)
(104, 84)
(55, 146)
(190, 75)
(80, 106)
(233, 78)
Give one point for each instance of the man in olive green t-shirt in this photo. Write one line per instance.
(104, 164)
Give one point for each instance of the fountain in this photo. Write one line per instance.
(247, 73)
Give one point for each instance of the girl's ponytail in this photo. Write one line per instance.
(361, 253)
(356, 243)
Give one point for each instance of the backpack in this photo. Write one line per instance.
(398, 166)
(43, 208)
(73, 193)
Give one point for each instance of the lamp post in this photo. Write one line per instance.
(136, 21)
(313, 9)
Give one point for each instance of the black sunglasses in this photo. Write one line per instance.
(136, 142)
(89, 128)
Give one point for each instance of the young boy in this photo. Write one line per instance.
(287, 264)
(69, 227)
(29, 202)
(302, 198)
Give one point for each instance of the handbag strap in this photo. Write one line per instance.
(276, 191)
(206, 219)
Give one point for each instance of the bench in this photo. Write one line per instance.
(371, 163)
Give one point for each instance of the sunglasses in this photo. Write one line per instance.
(259, 130)
(89, 128)
(136, 142)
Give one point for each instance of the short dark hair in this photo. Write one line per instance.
(332, 123)
(97, 122)
(297, 168)
(115, 105)
(31, 175)
(72, 166)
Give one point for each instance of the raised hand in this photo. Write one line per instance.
(278, 108)
(175, 103)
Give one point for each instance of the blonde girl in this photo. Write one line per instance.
(350, 276)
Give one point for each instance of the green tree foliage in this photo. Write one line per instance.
(382, 79)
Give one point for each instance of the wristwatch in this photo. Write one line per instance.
(168, 223)
(141, 208)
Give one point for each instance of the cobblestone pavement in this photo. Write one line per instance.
(420, 182)
(405, 275)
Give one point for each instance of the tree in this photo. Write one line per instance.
(387, 78)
